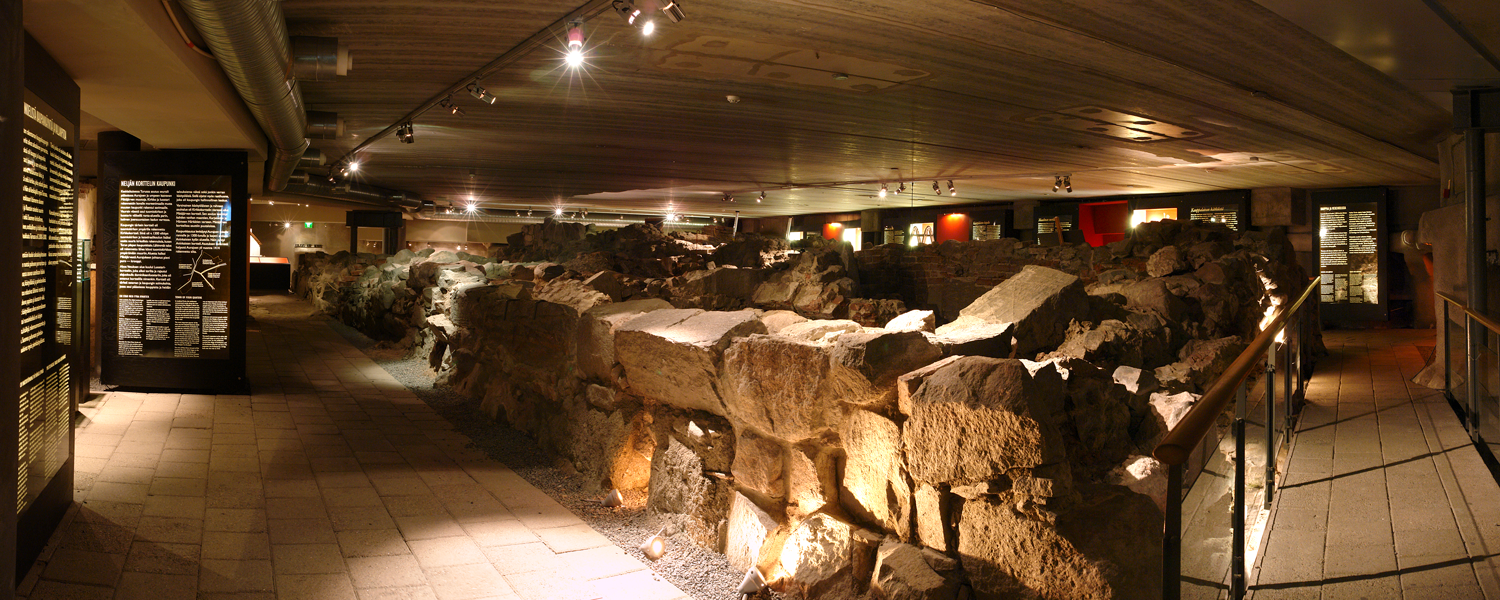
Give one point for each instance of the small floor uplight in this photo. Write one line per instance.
(614, 499)
(655, 546)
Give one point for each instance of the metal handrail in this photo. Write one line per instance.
(1179, 443)
(1483, 319)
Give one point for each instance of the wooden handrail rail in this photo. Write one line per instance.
(1182, 439)
(1483, 319)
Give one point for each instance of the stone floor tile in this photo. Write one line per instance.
(537, 585)
(372, 542)
(468, 582)
(84, 567)
(502, 532)
(571, 538)
(420, 592)
(606, 561)
(57, 590)
(228, 545)
(428, 527)
(386, 571)
(307, 558)
(241, 520)
(167, 559)
(217, 575)
(639, 585)
(301, 531)
(170, 530)
(521, 558)
(321, 586)
(446, 552)
(156, 586)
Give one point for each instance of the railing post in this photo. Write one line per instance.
(1477, 244)
(1447, 354)
(1171, 541)
(1286, 381)
(1471, 338)
(1270, 425)
(1237, 520)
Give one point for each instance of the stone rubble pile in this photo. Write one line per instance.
(1001, 454)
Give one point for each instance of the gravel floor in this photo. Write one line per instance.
(702, 574)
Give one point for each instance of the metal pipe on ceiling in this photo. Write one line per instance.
(352, 192)
(250, 41)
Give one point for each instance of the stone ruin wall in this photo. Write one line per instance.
(1000, 454)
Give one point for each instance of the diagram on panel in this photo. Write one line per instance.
(201, 272)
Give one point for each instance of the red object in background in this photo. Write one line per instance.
(956, 226)
(1103, 222)
(833, 231)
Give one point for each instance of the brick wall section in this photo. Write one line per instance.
(947, 277)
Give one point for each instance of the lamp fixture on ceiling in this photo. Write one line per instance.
(641, 13)
(452, 108)
(472, 208)
(727, 197)
(558, 211)
(574, 57)
(883, 191)
(761, 198)
(1056, 183)
(937, 191)
(404, 133)
(1068, 183)
(951, 190)
(481, 94)
(901, 189)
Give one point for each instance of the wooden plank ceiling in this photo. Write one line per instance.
(836, 97)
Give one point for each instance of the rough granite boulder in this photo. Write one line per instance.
(977, 418)
(683, 495)
(759, 464)
(777, 320)
(1107, 547)
(818, 557)
(1166, 261)
(819, 330)
(916, 320)
(874, 489)
(778, 385)
(903, 573)
(864, 366)
(1201, 362)
(596, 335)
(1039, 301)
(675, 356)
(746, 532)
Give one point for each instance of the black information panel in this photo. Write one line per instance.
(1351, 254)
(49, 202)
(174, 304)
(1050, 219)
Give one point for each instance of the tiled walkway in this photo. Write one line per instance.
(330, 482)
(1384, 497)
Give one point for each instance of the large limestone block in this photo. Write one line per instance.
(874, 489)
(747, 531)
(759, 464)
(864, 366)
(931, 505)
(978, 417)
(1166, 261)
(984, 339)
(819, 330)
(1110, 547)
(674, 356)
(818, 557)
(777, 385)
(682, 494)
(915, 320)
(596, 334)
(1202, 362)
(902, 573)
(908, 384)
(1040, 301)
(1154, 296)
(571, 293)
(777, 320)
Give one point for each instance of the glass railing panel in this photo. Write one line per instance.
(1488, 409)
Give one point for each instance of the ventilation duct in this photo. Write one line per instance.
(324, 125)
(318, 58)
(313, 157)
(249, 39)
(351, 192)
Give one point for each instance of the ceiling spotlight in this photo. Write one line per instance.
(1056, 183)
(882, 190)
(354, 167)
(574, 57)
(762, 197)
(727, 197)
(936, 190)
(673, 12)
(1068, 183)
(951, 190)
(481, 94)
(901, 189)
(404, 133)
(648, 27)
(558, 212)
(453, 109)
(472, 208)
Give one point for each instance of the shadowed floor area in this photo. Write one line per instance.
(1384, 497)
(330, 481)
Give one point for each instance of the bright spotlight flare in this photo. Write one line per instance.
(574, 57)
